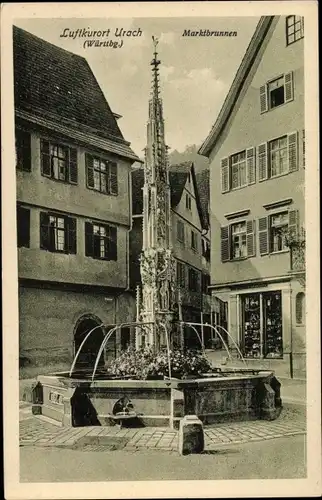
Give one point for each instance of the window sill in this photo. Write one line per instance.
(61, 252)
(278, 252)
(276, 176)
(101, 192)
(239, 259)
(60, 180)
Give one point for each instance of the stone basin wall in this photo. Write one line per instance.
(76, 402)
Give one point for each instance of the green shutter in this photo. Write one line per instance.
(292, 143)
(293, 223)
(288, 85)
(88, 239)
(113, 183)
(45, 158)
(112, 243)
(89, 171)
(250, 237)
(224, 175)
(251, 165)
(73, 173)
(263, 98)
(71, 226)
(225, 244)
(23, 227)
(263, 235)
(262, 162)
(44, 231)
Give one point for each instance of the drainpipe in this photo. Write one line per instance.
(291, 340)
(128, 233)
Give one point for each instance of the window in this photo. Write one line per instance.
(193, 280)
(181, 275)
(205, 283)
(278, 229)
(273, 229)
(57, 233)
(238, 170)
(100, 241)
(23, 150)
(23, 227)
(238, 241)
(262, 325)
(205, 249)
(294, 29)
(300, 308)
(59, 162)
(180, 231)
(194, 241)
(188, 201)
(278, 157)
(276, 92)
(101, 175)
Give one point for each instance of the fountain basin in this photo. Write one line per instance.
(230, 396)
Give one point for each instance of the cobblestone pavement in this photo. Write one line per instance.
(39, 431)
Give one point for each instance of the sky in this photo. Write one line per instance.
(195, 72)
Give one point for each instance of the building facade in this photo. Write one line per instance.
(190, 244)
(257, 173)
(73, 210)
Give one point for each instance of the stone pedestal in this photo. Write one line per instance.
(191, 435)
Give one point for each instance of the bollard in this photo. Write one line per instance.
(191, 435)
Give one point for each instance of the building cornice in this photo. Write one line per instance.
(278, 204)
(251, 282)
(83, 137)
(239, 213)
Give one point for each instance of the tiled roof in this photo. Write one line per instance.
(177, 177)
(82, 137)
(60, 82)
(251, 56)
(204, 192)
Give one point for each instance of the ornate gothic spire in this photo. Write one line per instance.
(157, 263)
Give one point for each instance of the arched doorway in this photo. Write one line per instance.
(87, 357)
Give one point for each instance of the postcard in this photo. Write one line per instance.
(161, 250)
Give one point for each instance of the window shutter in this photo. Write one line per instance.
(263, 235)
(263, 98)
(225, 243)
(88, 239)
(71, 225)
(44, 231)
(45, 158)
(89, 171)
(112, 254)
(73, 173)
(23, 227)
(262, 162)
(113, 178)
(251, 165)
(23, 147)
(293, 223)
(183, 276)
(292, 143)
(250, 236)
(288, 83)
(224, 175)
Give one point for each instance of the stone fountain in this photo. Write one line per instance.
(75, 400)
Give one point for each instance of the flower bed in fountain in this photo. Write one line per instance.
(145, 364)
(138, 383)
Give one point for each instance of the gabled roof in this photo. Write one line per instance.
(237, 85)
(52, 82)
(178, 175)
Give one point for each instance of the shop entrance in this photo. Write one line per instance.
(262, 325)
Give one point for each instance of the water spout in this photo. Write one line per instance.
(81, 346)
(233, 341)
